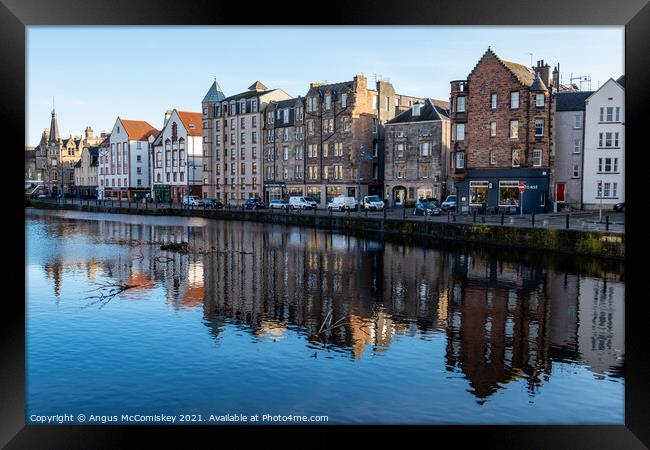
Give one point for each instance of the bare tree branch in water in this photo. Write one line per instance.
(107, 292)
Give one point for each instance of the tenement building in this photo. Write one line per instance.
(233, 142)
(284, 149)
(177, 158)
(568, 149)
(415, 153)
(603, 178)
(85, 173)
(124, 163)
(501, 116)
(344, 137)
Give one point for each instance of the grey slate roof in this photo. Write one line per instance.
(215, 94)
(621, 80)
(538, 85)
(571, 101)
(428, 111)
(257, 86)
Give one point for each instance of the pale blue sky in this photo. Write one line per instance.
(98, 73)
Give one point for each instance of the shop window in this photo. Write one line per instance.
(478, 192)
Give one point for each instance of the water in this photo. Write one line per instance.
(266, 319)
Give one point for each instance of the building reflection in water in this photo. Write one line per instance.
(501, 320)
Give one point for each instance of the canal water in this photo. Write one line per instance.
(267, 319)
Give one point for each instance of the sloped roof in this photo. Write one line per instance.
(524, 74)
(538, 85)
(247, 94)
(257, 86)
(621, 80)
(571, 101)
(192, 122)
(138, 130)
(215, 94)
(428, 111)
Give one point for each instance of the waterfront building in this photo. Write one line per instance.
(568, 149)
(177, 158)
(30, 165)
(124, 163)
(284, 149)
(501, 116)
(344, 136)
(232, 142)
(417, 145)
(604, 150)
(85, 173)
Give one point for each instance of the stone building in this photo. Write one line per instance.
(501, 116)
(284, 149)
(30, 165)
(568, 149)
(233, 142)
(177, 158)
(85, 173)
(344, 136)
(416, 148)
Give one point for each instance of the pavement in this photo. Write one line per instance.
(580, 220)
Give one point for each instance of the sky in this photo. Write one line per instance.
(95, 74)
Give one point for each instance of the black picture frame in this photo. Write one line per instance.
(15, 15)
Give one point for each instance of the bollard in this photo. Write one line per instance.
(330, 212)
(448, 216)
(512, 220)
(474, 218)
(503, 215)
(567, 221)
(545, 222)
(533, 220)
(366, 212)
(606, 223)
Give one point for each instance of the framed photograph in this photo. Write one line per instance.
(363, 219)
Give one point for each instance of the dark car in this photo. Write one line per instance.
(254, 203)
(212, 203)
(449, 204)
(620, 207)
(426, 208)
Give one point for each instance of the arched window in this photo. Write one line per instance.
(158, 178)
(181, 143)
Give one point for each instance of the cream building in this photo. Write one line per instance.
(85, 173)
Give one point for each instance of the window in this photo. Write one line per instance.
(338, 172)
(254, 108)
(478, 192)
(346, 123)
(424, 170)
(299, 151)
(313, 172)
(243, 169)
(514, 100)
(232, 124)
(326, 173)
(285, 115)
(460, 160)
(539, 100)
(242, 122)
(618, 113)
(254, 118)
(493, 129)
(508, 193)
(344, 100)
(399, 150)
(310, 127)
(399, 170)
(576, 171)
(539, 127)
(615, 139)
(328, 101)
(312, 150)
(425, 149)
(493, 101)
(254, 168)
(537, 158)
(460, 104)
(312, 103)
(254, 136)
(516, 158)
(577, 145)
(375, 102)
(493, 158)
(460, 131)
(338, 149)
(514, 129)
(578, 121)
(285, 152)
(610, 114)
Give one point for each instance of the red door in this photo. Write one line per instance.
(559, 192)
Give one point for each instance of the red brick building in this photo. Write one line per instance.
(501, 135)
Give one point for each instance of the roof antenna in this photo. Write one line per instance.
(531, 59)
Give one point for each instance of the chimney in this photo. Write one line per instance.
(416, 109)
(556, 76)
(168, 114)
(360, 83)
(544, 71)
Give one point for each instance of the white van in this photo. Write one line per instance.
(192, 200)
(373, 202)
(302, 203)
(342, 204)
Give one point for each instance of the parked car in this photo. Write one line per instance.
(620, 207)
(212, 203)
(342, 204)
(373, 202)
(449, 204)
(302, 203)
(426, 209)
(254, 203)
(278, 204)
(192, 200)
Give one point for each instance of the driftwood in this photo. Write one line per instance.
(327, 324)
(107, 292)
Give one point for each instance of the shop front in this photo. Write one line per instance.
(497, 190)
(162, 193)
(273, 191)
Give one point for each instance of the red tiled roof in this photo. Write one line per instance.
(138, 130)
(192, 122)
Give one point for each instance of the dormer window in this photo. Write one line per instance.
(344, 100)
(416, 109)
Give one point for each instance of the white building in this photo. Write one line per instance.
(604, 146)
(124, 163)
(178, 157)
